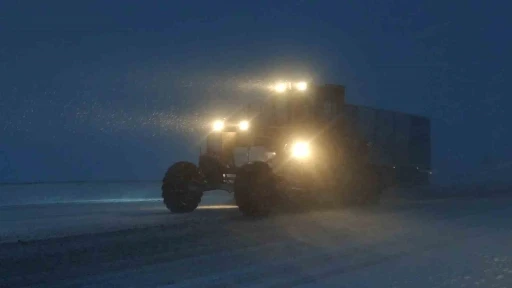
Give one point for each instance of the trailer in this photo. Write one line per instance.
(400, 142)
(303, 144)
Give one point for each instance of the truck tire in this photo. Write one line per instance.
(254, 189)
(176, 193)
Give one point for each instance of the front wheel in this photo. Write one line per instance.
(176, 188)
(254, 189)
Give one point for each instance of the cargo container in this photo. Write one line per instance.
(398, 140)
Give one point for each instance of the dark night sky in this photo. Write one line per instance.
(119, 89)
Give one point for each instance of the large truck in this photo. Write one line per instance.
(303, 144)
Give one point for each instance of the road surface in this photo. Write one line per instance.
(441, 243)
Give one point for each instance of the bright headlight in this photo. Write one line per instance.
(301, 86)
(280, 87)
(218, 125)
(243, 125)
(300, 150)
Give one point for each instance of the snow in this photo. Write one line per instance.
(109, 192)
(450, 242)
(67, 212)
(23, 194)
(476, 258)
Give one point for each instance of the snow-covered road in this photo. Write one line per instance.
(50, 220)
(442, 243)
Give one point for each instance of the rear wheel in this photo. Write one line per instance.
(177, 194)
(254, 189)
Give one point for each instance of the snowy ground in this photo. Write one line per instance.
(41, 221)
(47, 193)
(452, 242)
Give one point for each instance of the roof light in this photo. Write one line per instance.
(243, 125)
(301, 86)
(218, 125)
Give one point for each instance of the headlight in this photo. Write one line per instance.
(218, 126)
(243, 125)
(280, 87)
(301, 86)
(300, 150)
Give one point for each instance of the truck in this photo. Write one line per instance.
(302, 145)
